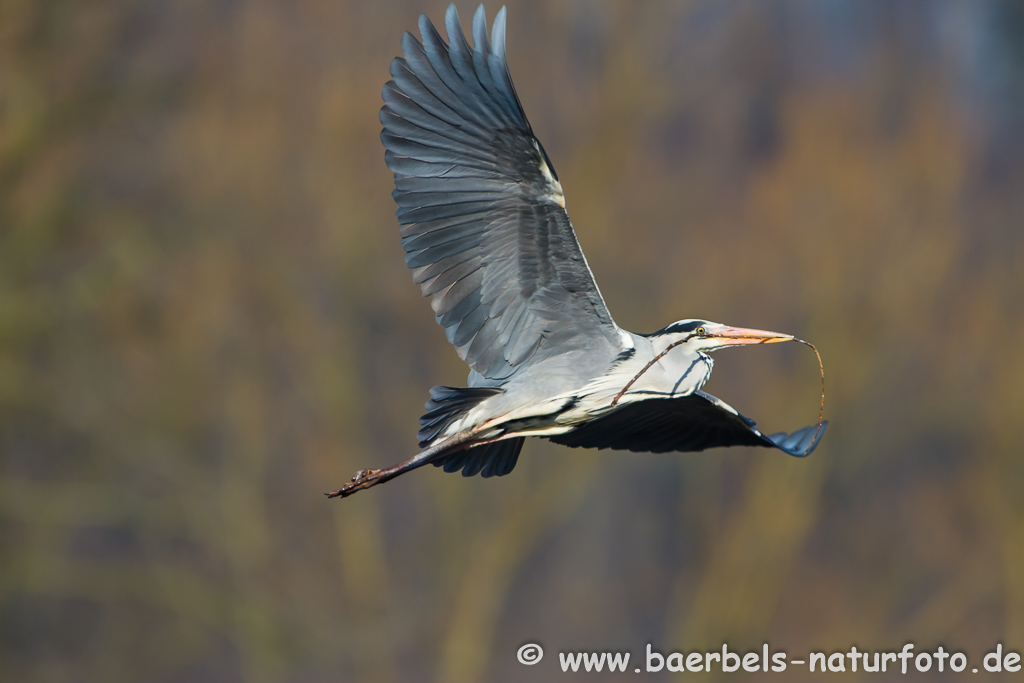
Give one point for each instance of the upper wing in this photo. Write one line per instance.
(484, 223)
(688, 423)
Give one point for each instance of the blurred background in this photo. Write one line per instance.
(206, 322)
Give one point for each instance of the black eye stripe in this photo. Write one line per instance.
(678, 328)
(684, 327)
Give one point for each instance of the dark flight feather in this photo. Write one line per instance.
(688, 423)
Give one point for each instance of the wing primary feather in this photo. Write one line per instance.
(414, 88)
(403, 105)
(412, 149)
(480, 30)
(427, 256)
(461, 55)
(425, 70)
(431, 270)
(449, 196)
(449, 277)
(498, 64)
(440, 57)
(481, 48)
(400, 129)
(412, 229)
(421, 214)
(406, 127)
(409, 186)
(413, 167)
(434, 238)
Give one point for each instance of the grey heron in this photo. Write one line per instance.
(486, 234)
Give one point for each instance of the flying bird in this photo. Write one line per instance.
(487, 236)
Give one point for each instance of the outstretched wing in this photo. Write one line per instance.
(483, 218)
(689, 423)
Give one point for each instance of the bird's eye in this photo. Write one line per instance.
(701, 331)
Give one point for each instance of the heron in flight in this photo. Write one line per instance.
(489, 241)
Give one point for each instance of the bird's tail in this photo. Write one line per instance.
(446, 405)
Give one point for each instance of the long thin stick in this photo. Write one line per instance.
(821, 411)
(648, 366)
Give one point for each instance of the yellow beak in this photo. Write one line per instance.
(736, 336)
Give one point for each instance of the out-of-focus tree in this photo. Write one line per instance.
(205, 321)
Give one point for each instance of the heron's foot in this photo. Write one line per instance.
(362, 479)
(362, 475)
(365, 479)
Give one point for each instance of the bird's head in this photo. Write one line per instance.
(702, 335)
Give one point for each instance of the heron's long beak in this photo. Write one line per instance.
(737, 336)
